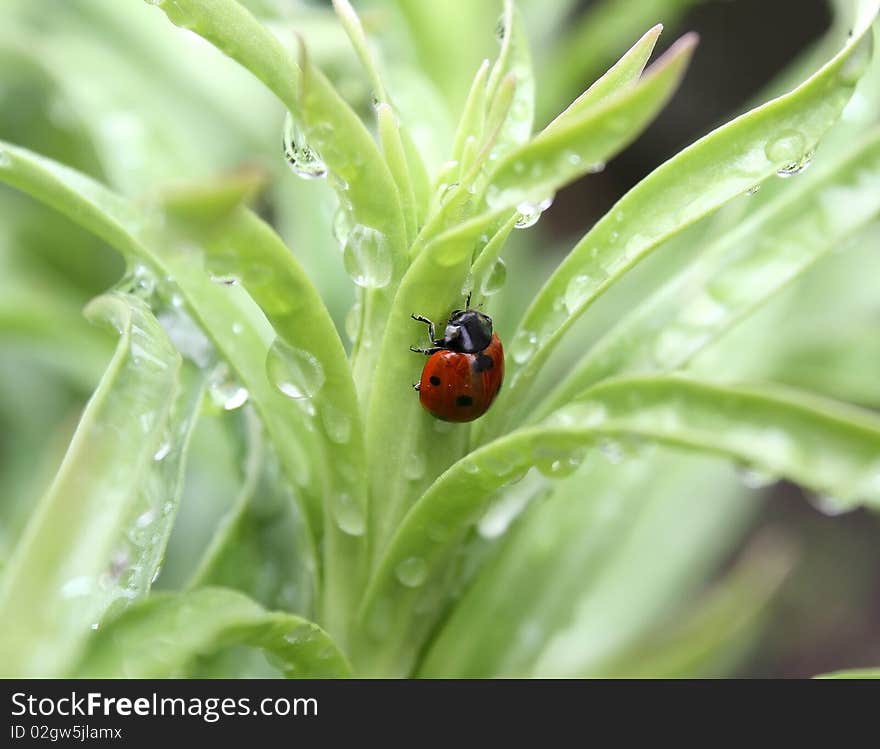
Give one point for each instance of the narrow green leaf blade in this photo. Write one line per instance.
(623, 74)
(162, 635)
(53, 588)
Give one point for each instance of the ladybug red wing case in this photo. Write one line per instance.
(461, 387)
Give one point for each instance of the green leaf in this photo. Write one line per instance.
(857, 673)
(161, 636)
(64, 574)
(231, 28)
(403, 449)
(218, 309)
(707, 174)
(584, 141)
(358, 38)
(515, 60)
(257, 547)
(827, 447)
(473, 115)
(391, 137)
(742, 270)
(360, 175)
(593, 40)
(560, 567)
(622, 75)
(307, 363)
(450, 39)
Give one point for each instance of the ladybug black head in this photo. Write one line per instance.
(468, 331)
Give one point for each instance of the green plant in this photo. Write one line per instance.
(419, 547)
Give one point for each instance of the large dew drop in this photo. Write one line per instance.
(367, 257)
(523, 346)
(303, 160)
(494, 279)
(349, 514)
(412, 572)
(529, 212)
(337, 423)
(296, 373)
(224, 391)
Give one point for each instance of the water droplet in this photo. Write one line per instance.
(523, 346)
(831, 505)
(755, 478)
(140, 281)
(443, 427)
(225, 280)
(163, 450)
(754, 189)
(612, 451)
(469, 466)
(367, 257)
(237, 328)
(303, 160)
(794, 168)
(95, 625)
(224, 391)
(529, 212)
(353, 322)
(578, 292)
(296, 373)
(572, 158)
(467, 286)
(337, 423)
(787, 146)
(412, 572)
(561, 466)
(186, 335)
(342, 224)
(349, 514)
(494, 279)
(145, 519)
(414, 466)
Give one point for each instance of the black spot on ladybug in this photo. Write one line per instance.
(464, 400)
(435, 380)
(482, 363)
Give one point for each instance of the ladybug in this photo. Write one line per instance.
(465, 367)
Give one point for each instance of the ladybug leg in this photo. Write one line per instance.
(467, 303)
(417, 386)
(425, 351)
(421, 318)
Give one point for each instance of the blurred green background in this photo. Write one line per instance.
(111, 88)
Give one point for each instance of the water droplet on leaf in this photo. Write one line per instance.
(523, 346)
(412, 572)
(349, 514)
(529, 212)
(294, 372)
(495, 278)
(225, 391)
(303, 160)
(367, 257)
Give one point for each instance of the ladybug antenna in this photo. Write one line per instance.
(467, 303)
